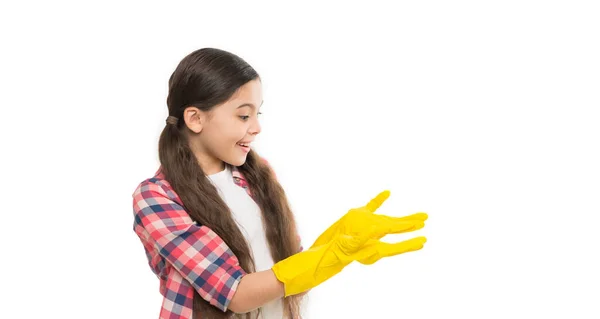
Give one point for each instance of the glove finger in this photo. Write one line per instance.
(388, 250)
(389, 225)
(349, 244)
(417, 216)
(376, 202)
(368, 253)
(374, 250)
(369, 260)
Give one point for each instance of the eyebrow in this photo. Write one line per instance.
(250, 105)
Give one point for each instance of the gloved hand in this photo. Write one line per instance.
(354, 237)
(364, 215)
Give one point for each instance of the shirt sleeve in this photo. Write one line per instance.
(195, 251)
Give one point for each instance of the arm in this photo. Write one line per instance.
(258, 288)
(255, 290)
(194, 251)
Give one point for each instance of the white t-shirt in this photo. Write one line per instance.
(247, 215)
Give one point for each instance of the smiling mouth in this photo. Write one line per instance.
(244, 146)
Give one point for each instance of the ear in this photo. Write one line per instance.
(194, 119)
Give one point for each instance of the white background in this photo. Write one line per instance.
(484, 115)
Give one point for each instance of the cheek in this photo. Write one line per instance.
(233, 133)
(237, 131)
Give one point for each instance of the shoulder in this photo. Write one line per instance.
(154, 186)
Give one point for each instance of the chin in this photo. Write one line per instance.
(237, 161)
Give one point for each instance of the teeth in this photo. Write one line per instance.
(243, 144)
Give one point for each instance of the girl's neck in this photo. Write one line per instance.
(210, 169)
(210, 165)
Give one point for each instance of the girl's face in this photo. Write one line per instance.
(224, 134)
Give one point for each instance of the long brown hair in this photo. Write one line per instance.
(205, 78)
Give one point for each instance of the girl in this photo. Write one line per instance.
(215, 223)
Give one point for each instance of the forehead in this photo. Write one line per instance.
(248, 95)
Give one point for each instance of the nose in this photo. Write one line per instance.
(255, 128)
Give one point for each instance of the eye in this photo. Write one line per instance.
(245, 117)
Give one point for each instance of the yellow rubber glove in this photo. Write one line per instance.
(353, 238)
(365, 216)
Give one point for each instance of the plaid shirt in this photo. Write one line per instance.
(183, 254)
